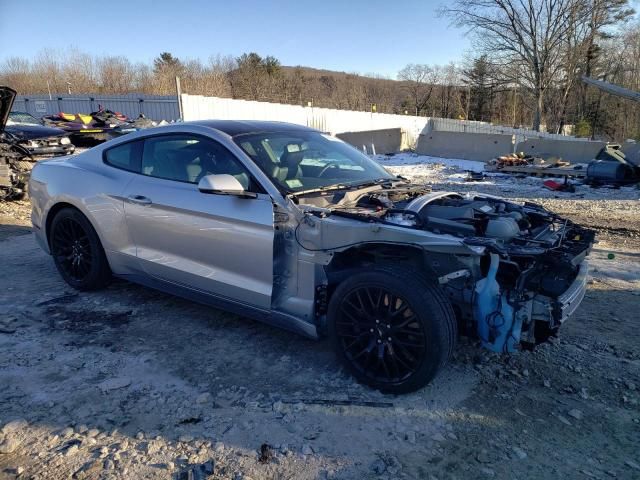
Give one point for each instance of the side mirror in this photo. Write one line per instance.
(223, 184)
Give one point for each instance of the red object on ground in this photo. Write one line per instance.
(552, 185)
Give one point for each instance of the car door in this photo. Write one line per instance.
(219, 244)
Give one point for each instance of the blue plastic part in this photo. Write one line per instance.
(498, 327)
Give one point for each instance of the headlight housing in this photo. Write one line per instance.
(64, 141)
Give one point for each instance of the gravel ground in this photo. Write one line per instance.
(131, 383)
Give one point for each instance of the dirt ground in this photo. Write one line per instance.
(129, 383)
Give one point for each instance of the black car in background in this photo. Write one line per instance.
(38, 139)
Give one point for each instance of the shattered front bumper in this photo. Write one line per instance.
(556, 311)
(569, 301)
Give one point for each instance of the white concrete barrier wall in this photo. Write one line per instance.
(375, 141)
(469, 146)
(569, 150)
(198, 107)
(632, 151)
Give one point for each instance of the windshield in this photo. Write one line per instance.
(22, 118)
(300, 161)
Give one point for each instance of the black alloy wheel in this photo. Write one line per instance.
(380, 334)
(77, 252)
(391, 327)
(71, 249)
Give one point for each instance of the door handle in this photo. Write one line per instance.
(139, 200)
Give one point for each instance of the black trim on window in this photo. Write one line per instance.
(137, 164)
(254, 185)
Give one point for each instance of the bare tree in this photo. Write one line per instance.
(16, 72)
(527, 32)
(115, 75)
(419, 81)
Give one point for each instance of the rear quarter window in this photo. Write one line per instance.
(127, 156)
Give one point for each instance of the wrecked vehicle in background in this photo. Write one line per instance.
(15, 160)
(39, 140)
(98, 126)
(140, 123)
(87, 128)
(296, 228)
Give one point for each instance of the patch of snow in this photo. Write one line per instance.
(405, 159)
(623, 265)
(450, 174)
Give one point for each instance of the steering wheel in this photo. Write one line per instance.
(328, 166)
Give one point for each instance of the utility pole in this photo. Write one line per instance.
(515, 98)
(468, 101)
(179, 95)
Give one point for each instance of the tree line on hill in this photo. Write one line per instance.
(526, 71)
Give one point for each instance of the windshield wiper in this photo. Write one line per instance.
(344, 186)
(337, 186)
(379, 181)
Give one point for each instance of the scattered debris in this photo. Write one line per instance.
(114, 383)
(520, 454)
(632, 464)
(559, 187)
(575, 413)
(612, 167)
(266, 453)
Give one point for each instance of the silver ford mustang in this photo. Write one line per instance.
(293, 227)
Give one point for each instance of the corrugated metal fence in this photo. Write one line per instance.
(155, 107)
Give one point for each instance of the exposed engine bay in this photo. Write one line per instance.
(15, 167)
(529, 274)
(15, 160)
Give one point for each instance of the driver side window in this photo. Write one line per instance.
(188, 158)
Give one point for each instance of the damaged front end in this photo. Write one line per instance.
(15, 168)
(524, 270)
(15, 161)
(534, 280)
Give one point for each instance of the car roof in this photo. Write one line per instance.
(241, 127)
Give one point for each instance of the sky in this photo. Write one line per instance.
(363, 36)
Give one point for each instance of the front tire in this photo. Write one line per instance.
(391, 328)
(77, 251)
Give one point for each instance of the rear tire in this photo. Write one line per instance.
(77, 251)
(391, 328)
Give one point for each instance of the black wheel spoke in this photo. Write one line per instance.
(356, 308)
(352, 318)
(410, 344)
(398, 357)
(71, 248)
(380, 335)
(358, 338)
(407, 331)
(403, 308)
(393, 361)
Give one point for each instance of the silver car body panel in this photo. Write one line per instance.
(217, 243)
